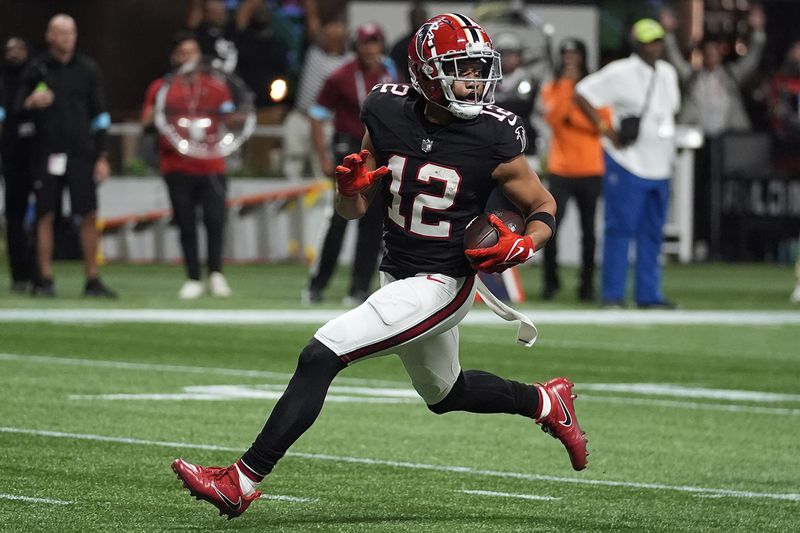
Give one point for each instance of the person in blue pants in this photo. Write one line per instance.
(639, 146)
(635, 209)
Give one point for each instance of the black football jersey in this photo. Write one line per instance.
(440, 177)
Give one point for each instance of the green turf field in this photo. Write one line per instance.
(692, 427)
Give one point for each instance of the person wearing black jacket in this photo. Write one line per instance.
(15, 145)
(62, 91)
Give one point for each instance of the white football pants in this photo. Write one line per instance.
(416, 318)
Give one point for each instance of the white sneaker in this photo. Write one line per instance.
(796, 294)
(191, 290)
(219, 285)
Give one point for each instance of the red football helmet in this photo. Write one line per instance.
(450, 48)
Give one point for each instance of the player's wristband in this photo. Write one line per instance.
(543, 216)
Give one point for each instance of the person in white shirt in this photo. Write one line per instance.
(323, 57)
(712, 92)
(639, 146)
(714, 102)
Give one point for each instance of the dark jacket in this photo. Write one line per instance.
(73, 123)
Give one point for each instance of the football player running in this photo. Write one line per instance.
(443, 147)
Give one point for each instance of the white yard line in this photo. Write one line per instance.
(263, 395)
(509, 495)
(673, 404)
(335, 398)
(639, 349)
(683, 391)
(292, 499)
(401, 392)
(465, 470)
(28, 499)
(180, 369)
(477, 316)
(336, 393)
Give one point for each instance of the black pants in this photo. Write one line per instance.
(368, 243)
(20, 236)
(187, 193)
(704, 183)
(475, 391)
(586, 191)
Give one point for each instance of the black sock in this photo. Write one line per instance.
(476, 391)
(297, 409)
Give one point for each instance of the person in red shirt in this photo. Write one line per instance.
(193, 182)
(340, 100)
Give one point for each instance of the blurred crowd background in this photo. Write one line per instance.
(747, 172)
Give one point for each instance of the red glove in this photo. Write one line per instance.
(511, 249)
(352, 177)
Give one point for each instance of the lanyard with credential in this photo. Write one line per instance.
(649, 92)
(361, 88)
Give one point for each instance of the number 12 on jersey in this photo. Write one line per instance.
(424, 203)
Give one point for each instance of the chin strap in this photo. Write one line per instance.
(464, 111)
(526, 332)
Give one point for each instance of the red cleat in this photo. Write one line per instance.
(562, 423)
(216, 485)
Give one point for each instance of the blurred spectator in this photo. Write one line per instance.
(15, 145)
(340, 100)
(323, 57)
(193, 183)
(262, 55)
(63, 92)
(712, 98)
(785, 110)
(516, 92)
(214, 31)
(417, 15)
(574, 163)
(642, 91)
(712, 101)
(296, 23)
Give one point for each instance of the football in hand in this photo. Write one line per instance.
(479, 233)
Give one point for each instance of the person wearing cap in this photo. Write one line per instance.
(574, 163)
(340, 101)
(639, 143)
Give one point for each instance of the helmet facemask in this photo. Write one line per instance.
(478, 67)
